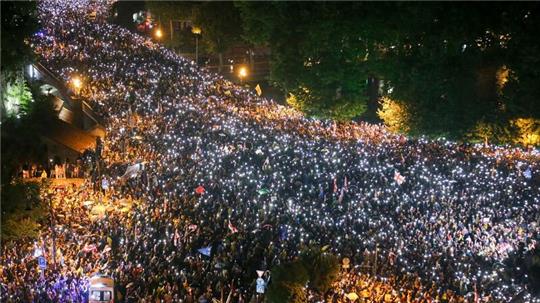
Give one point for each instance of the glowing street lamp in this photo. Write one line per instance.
(158, 33)
(242, 73)
(77, 83)
(196, 30)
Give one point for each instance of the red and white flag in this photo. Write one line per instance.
(232, 228)
(89, 247)
(398, 178)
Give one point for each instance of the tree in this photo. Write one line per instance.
(23, 132)
(25, 112)
(314, 269)
(16, 99)
(313, 56)
(288, 282)
(323, 269)
(528, 131)
(22, 210)
(395, 115)
(443, 62)
(19, 22)
(221, 26)
(166, 14)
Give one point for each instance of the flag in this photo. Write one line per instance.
(282, 233)
(89, 247)
(258, 90)
(199, 190)
(232, 228)
(132, 171)
(38, 252)
(205, 251)
(266, 164)
(352, 296)
(263, 191)
(105, 184)
(176, 237)
(527, 173)
(341, 195)
(398, 177)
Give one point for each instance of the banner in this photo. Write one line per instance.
(132, 171)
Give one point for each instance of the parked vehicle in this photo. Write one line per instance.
(101, 289)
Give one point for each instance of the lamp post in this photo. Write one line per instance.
(77, 84)
(196, 31)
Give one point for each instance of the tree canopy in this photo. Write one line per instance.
(314, 269)
(453, 66)
(220, 24)
(19, 22)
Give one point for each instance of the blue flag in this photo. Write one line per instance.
(283, 232)
(321, 192)
(205, 250)
(527, 173)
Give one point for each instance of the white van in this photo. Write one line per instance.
(101, 289)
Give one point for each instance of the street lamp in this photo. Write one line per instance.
(77, 83)
(196, 31)
(242, 73)
(158, 33)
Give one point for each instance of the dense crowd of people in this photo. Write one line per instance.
(200, 183)
(58, 170)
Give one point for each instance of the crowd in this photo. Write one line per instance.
(365, 288)
(56, 170)
(221, 183)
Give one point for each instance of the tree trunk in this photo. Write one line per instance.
(220, 66)
(373, 97)
(251, 61)
(171, 29)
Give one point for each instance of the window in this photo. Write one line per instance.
(98, 295)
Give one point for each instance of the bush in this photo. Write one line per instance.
(22, 210)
